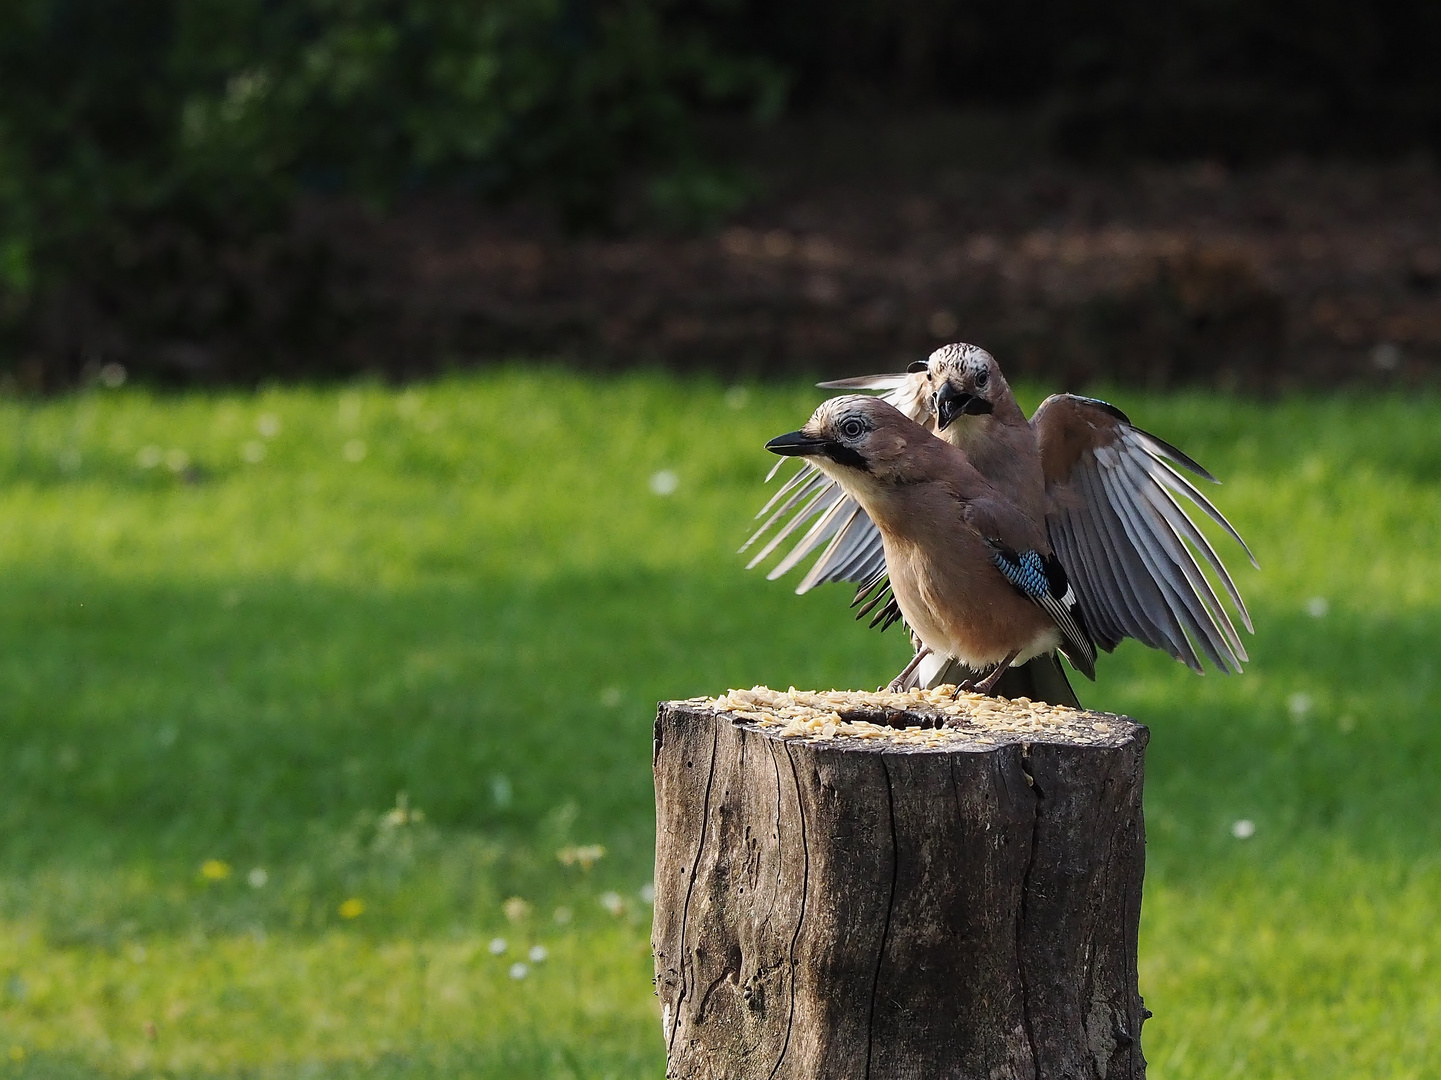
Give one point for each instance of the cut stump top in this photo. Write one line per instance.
(916, 721)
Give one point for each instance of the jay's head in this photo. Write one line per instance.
(854, 436)
(965, 381)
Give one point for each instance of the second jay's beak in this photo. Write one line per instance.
(796, 444)
(950, 403)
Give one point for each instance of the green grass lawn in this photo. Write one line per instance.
(302, 692)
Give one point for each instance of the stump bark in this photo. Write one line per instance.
(896, 906)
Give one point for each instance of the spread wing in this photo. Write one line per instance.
(826, 518)
(1118, 523)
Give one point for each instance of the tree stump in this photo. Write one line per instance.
(897, 886)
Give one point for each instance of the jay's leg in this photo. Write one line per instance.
(985, 685)
(895, 684)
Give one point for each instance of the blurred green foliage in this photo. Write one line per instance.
(157, 137)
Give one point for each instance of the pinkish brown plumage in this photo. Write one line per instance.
(972, 573)
(1109, 496)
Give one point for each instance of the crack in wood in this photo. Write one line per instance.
(801, 917)
(1021, 913)
(890, 907)
(1089, 994)
(677, 1018)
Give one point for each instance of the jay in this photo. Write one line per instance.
(1109, 497)
(971, 571)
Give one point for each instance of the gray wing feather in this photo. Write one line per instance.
(1173, 569)
(823, 499)
(1158, 518)
(840, 513)
(1165, 503)
(1179, 484)
(1106, 624)
(799, 493)
(799, 478)
(1132, 549)
(867, 382)
(850, 555)
(1121, 575)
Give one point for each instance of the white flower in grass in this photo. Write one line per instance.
(1243, 829)
(537, 954)
(1317, 607)
(647, 892)
(497, 946)
(664, 483)
(519, 970)
(500, 790)
(612, 902)
(258, 878)
(268, 424)
(1299, 706)
(562, 916)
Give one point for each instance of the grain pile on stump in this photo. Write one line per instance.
(897, 885)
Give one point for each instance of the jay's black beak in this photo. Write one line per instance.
(797, 444)
(950, 403)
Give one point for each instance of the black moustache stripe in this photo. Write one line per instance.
(844, 455)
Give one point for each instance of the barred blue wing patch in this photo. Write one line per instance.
(1042, 580)
(1026, 571)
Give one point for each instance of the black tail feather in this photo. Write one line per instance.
(1041, 679)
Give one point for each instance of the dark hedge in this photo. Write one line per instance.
(155, 154)
(162, 161)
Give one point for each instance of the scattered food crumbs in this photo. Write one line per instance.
(932, 718)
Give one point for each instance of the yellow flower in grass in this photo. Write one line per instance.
(215, 869)
(352, 908)
(584, 855)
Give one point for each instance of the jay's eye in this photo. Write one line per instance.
(982, 377)
(853, 429)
